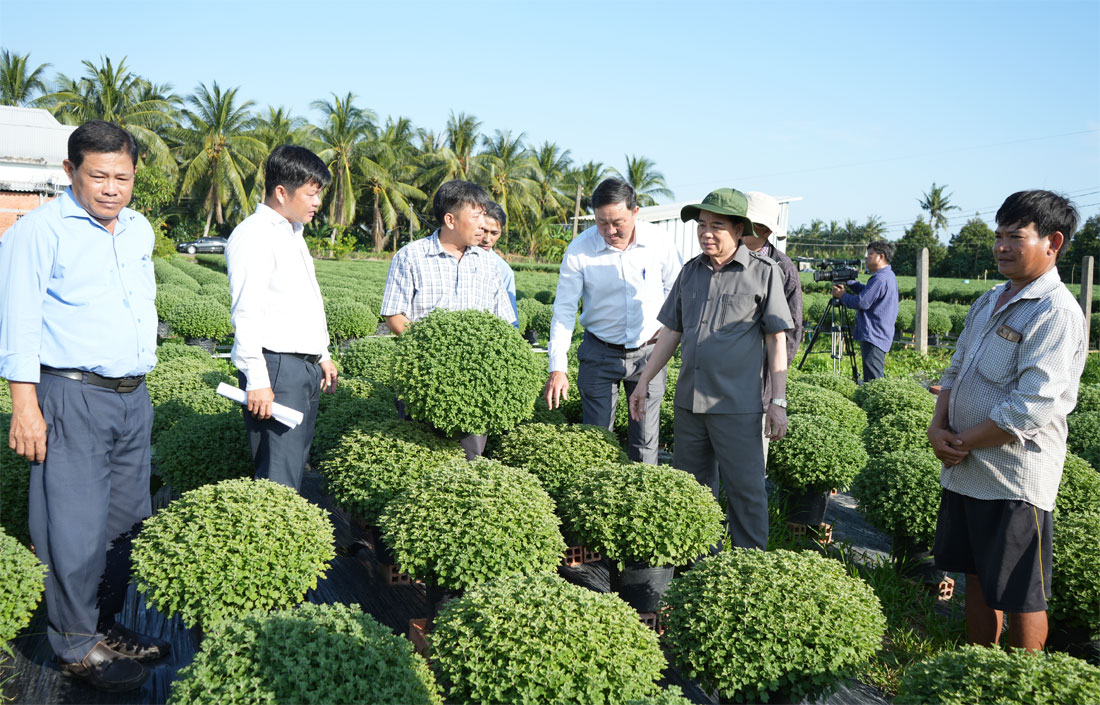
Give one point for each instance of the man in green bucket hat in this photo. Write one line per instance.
(728, 309)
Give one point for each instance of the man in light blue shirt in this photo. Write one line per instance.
(77, 336)
(877, 305)
(495, 222)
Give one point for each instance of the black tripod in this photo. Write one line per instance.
(840, 336)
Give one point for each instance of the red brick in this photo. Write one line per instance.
(418, 635)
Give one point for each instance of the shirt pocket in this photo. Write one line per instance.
(736, 311)
(998, 359)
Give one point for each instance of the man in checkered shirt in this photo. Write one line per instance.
(1000, 424)
(448, 270)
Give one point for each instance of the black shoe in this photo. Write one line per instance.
(139, 647)
(106, 669)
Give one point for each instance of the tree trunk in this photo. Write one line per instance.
(376, 227)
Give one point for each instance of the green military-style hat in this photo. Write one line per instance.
(726, 201)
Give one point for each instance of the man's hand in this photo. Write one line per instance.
(775, 422)
(260, 401)
(28, 429)
(838, 291)
(557, 388)
(328, 381)
(637, 400)
(945, 445)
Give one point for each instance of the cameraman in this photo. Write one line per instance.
(877, 304)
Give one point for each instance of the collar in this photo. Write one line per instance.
(642, 237)
(71, 208)
(1046, 283)
(272, 216)
(435, 248)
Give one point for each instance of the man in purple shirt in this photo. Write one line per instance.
(876, 303)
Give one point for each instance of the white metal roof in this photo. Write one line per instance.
(32, 136)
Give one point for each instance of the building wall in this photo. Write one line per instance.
(14, 204)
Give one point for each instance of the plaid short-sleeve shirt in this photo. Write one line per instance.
(1018, 366)
(423, 277)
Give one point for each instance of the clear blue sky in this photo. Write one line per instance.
(857, 107)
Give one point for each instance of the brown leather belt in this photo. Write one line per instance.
(314, 359)
(122, 385)
(622, 348)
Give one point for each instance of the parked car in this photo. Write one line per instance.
(203, 244)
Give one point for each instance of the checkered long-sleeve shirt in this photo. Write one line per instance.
(1018, 366)
(423, 277)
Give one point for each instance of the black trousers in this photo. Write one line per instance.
(874, 361)
(279, 453)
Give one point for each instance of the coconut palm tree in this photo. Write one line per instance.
(553, 164)
(938, 205)
(344, 128)
(588, 176)
(509, 172)
(387, 177)
(18, 82)
(456, 158)
(646, 180)
(216, 151)
(274, 128)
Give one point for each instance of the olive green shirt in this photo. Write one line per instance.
(723, 316)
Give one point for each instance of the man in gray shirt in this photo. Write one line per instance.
(1000, 424)
(727, 308)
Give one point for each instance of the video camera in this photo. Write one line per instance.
(836, 270)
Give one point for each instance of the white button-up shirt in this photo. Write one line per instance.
(277, 303)
(623, 290)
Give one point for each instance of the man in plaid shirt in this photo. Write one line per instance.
(1000, 424)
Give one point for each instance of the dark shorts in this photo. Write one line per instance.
(1006, 543)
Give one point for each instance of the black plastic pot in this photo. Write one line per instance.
(206, 344)
(1075, 641)
(163, 330)
(914, 560)
(641, 585)
(437, 597)
(805, 506)
(531, 336)
(382, 552)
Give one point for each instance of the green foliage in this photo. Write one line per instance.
(559, 455)
(816, 454)
(370, 358)
(970, 251)
(909, 363)
(15, 480)
(805, 398)
(652, 514)
(1084, 436)
(1088, 398)
(356, 403)
(673, 695)
(908, 249)
(168, 297)
(5, 399)
(462, 524)
(467, 371)
(1075, 598)
(21, 588)
(540, 321)
(200, 317)
(527, 309)
(958, 315)
(1091, 373)
(176, 348)
(200, 449)
(906, 429)
(168, 275)
(350, 319)
(840, 384)
(751, 623)
(179, 373)
(541, 640)
(1079, 488)
(813, 306)
(154, 190)
(371, 466)
(939, 319)
(899, 493)
(907, 313)
(980, 674)
(223, 550)
(887, 395)
(309, 654)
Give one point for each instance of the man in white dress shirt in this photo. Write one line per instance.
(280, 344)
(624, 269)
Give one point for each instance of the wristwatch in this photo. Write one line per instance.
(782, 403)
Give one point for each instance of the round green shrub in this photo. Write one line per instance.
(751, 623)
(559, 455)
(309, 654)
(200, 449)
(805, 398)
(197, 401)
(840, 384)
(651, 514)
(168, 275)
(176, 348)
(527, 308)
(1079, 488)
(168, 297)
(1075, 589)
(540, 321)
(816, 454)
(370, 358)
(462, 524)
(467, 371)
(1088, 398)
(939, 320)
(907, 314)
(545, 296)
(958, 314)
(15, 481)
(906, 429)
(1084, 436)
(200, 317)
(886, 395)
(371, 466)
(223, 550)
(356, 404)
(177, 375)
(1094, 326)
(673, 695)
(21, 586)
(980, 674)
(543, 640)
(350, 319)
(899, 493)
(815, 308)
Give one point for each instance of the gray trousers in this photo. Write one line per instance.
(279, 453)
(727, 449)
(874, 361)
(601, 370)
(86, 502)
